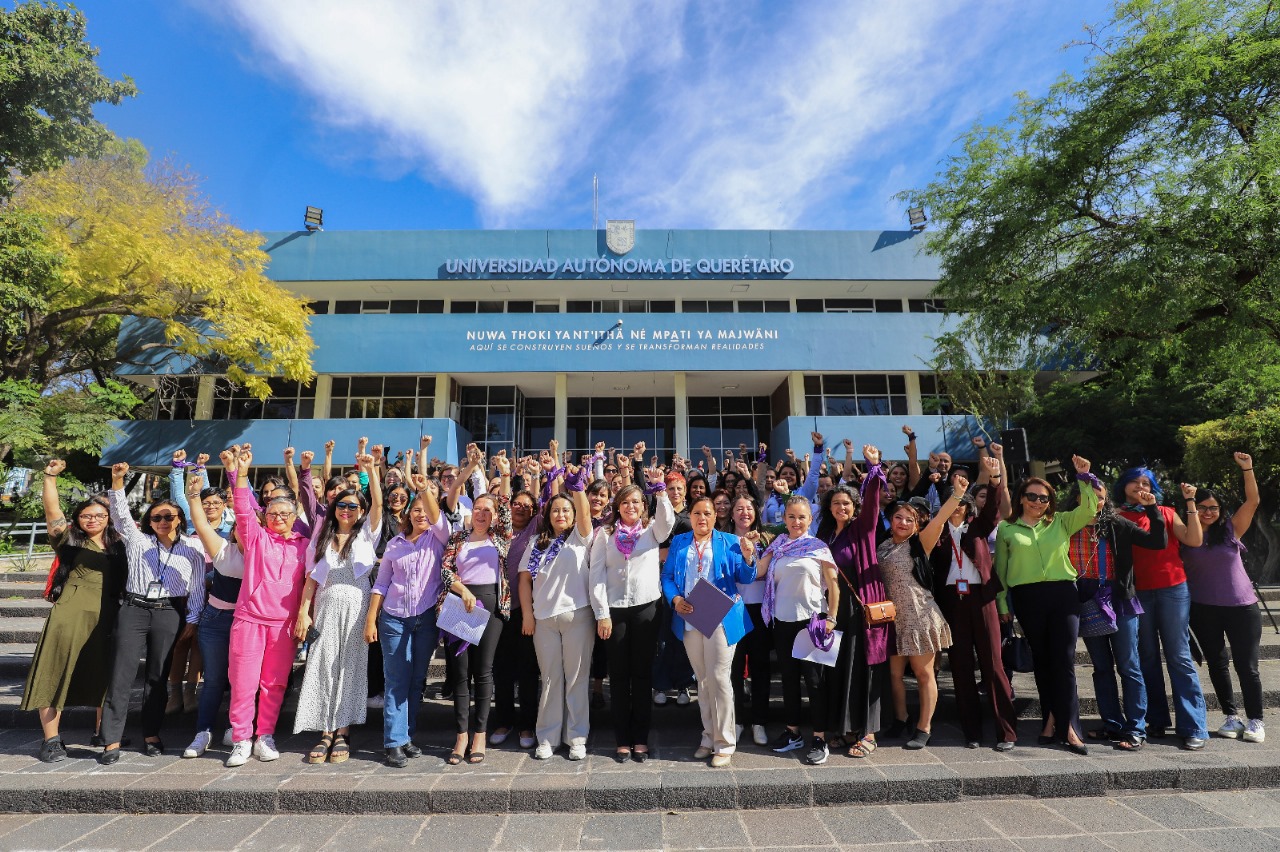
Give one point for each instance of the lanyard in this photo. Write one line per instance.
(959, 556)
(164, 565)
(700, 553)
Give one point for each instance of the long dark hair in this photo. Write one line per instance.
(179, 525)
(76, 536)
(1218, 532)
(728, 518)
(545, 533)
(330, 527)
(611, 526)
(826, 520)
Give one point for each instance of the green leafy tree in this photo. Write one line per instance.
(1132, 214)
(981, 381)
(49, 85)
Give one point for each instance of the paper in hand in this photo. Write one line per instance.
(456, 621)
(804, 649)
(710, 606)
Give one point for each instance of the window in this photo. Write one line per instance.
(620, 422)
(382, 396)
(724, 422)
(321, 307)
(860, 395)
(492, 415)
(395, 306)
(769, 306)
(289, 400)
(620, 306)
(709, 306)
(519, 306)
(926, 306)
(176, 397)
(849, 306)
(933, 400)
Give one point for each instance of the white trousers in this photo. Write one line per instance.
(563, 644)
(712, 659)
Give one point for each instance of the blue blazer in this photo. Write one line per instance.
(728, 568)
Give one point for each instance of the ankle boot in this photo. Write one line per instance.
(189, 701)
(175, 698)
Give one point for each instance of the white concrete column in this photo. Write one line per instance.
(204, 398)
(442, 396)
(682, 414)
(795, 386)
(562, 410)
(915, 407)
(324, 392)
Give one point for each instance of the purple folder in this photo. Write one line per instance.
(710, 606)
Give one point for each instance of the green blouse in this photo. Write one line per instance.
(1038, 554)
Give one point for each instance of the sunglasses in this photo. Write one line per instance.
(350, 507)
(165, 518)
(1036, 498)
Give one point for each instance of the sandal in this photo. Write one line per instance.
(475, 757)
(320, 751)
(341, 748)
(863, 748)
(1130, 742)
(453, 759)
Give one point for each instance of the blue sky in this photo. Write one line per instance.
(406, 114)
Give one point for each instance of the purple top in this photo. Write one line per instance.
(520, 542)
(478, 563)
(1216, 575)
(854, 552)
(409, 576)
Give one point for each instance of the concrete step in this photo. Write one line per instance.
(26, 607)
(10, 590)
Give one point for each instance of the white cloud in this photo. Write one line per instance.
(711, 114)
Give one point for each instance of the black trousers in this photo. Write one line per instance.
(1241, 626)
(515, 670)
(975, 630)
(137, 629)
(476, 662)
(792, 670)
(1050, 617)
(630, 649)
(752, 655)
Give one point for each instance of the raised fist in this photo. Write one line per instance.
(307, 457)
(202, 459)
(1081, 463)
(871, 454)
(1188, 491)
(1244, 460)
(1146, 498)
(55, 467)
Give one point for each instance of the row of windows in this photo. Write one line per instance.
(504, 414)
(629, 306)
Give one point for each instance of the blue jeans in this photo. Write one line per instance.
(407, 646)
(1118, 654)
(214, 636)
(1165, 624)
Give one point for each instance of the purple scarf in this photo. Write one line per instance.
(625, 538)
(538, 557)
(818, 635)
(784, 547)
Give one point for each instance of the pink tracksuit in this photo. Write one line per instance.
(262, 645)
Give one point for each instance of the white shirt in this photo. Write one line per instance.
(565, 585)
(363, 554)
(801, 590)
(963, 567)
(638, 580)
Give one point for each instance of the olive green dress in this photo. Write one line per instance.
(72, 662)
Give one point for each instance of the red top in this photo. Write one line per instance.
(1156, 569)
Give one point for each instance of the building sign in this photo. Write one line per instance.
(613, 267)
(652, 335)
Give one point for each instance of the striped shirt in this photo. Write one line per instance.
(180, 568)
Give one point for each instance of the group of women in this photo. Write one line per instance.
(846, 589)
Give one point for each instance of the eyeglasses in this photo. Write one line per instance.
(212, 504)
(1208, 510)
(1036, 498)
(350, 507)
(93, 517)
(166, 518)
(279, 515)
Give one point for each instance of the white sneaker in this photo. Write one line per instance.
(198, 745)
(375, 702)
(660, 698)
(760, 735)
(1254, 732)
(265, 748)
(682, 697)
(577, 752)
(227, 739)
(239, 754)
(1232, 728)
(543, 751)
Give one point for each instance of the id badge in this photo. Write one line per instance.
(962, 587)
(155, 590)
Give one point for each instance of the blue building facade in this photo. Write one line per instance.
(680, 339)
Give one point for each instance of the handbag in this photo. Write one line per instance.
(880, 612)
(1097, 615)
(1015, 651)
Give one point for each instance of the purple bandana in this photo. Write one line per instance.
(625, 538)
(818, 635)
(538, 558)
(783, 547)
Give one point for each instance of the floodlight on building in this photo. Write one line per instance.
(313, 219)
(917, 218)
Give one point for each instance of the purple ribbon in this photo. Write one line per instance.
(576, 481)
(655, 488)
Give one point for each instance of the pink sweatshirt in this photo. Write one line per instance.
(274, 569)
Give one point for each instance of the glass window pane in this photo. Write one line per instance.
(540, 406)
(579, 406)
(735, 404)
(813, 385)
(872, 406)
(366, 385)
(872, 385)
(700, 435)
(306, 409)
(338, 408)
(502, 395)
(546, 308)
(431, 306)
(662, 306)
(693, 306)
(719, 306)
(400, 386)
(898, 404)
(665, 406)
(519, 307)
(426, 408)
(704, 405)
(897, 384)
(340, 386)
(489, 307)
(888, 306)
(809, 306)
(457, 307)
(605, 405)
(841, 406)
(347, 306)
(666, 436)
(635, 306)
(426, 385)
(813, 406)
(751, 307)
(404, 306)
(578, 430)
(777, 306)
(838, 385)
(475, 395)
(398, 407)
(637, 405)
(577, 307)
(537, 435)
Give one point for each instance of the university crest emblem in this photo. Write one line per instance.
(620, 235)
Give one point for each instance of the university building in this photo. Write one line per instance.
(678, 338)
